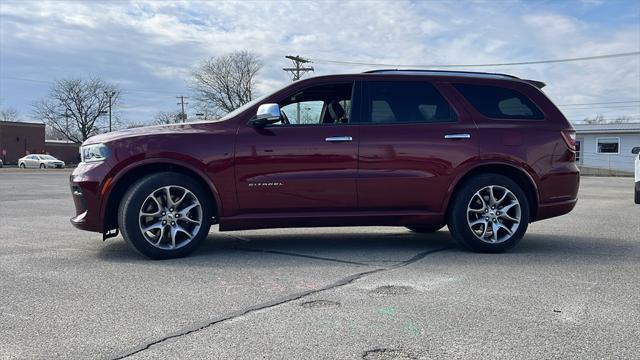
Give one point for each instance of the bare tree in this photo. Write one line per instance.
(621, 120)
(76, 107)
(226, 82)
(167, 117)
(207, 112)
(600, 119)
(9, 114)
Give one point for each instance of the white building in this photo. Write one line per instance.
(605, 149)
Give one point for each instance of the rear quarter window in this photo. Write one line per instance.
(499, 103)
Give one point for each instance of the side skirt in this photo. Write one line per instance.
(329, 219)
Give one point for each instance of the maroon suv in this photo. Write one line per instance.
(485, 154)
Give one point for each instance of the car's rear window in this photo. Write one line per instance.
(500, 103)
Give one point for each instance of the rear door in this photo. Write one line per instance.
(305, 163)
(413, 140)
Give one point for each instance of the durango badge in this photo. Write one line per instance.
(277, 183)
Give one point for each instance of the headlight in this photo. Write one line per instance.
(94, 153)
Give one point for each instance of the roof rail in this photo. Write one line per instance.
(538, 84)
(439, 72)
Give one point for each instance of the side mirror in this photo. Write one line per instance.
(636, 150)
(266, 114)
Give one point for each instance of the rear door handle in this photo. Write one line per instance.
(338, 138)
(457, 136)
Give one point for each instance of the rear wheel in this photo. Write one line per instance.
(165, 215)
(490, 213)
(22, 166)
(425, 229)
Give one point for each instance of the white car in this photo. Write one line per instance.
(40, 161)
(636, 151)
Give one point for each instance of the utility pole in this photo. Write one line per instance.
(110, 94)
(66, 117)
(297, 71)
(183, 116)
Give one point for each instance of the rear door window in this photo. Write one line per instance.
(405, 102)
(499, 103)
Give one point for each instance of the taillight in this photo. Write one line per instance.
(569, 137)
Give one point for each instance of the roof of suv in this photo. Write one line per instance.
(470, 74)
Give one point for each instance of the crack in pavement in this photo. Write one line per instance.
(298, 255)
(245, 240)
(279, 301)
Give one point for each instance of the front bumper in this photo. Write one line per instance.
(85, 184)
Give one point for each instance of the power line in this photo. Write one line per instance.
(584, 58)
(24, 79)
(602, 103)
(602, 107)
(52, 82)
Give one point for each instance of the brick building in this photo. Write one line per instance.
(18, 139)
(64, 150)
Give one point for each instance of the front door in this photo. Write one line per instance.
(305, 162)
(412, 140)
(33, 161)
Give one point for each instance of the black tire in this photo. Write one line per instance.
(425, 229)
(637, 194)
(23, 166)
(42, 166)
(132, 201)
(457, 216)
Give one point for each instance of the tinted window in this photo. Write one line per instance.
(499, 103)
(405, 102)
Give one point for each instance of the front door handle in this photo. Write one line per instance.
(457, 136)
(338, 138)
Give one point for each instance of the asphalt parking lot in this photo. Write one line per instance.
(569, 290)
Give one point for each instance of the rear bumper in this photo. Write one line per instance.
(550, 210)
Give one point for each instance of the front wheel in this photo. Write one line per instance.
(42, 166)
(165, 215)
(490, 213)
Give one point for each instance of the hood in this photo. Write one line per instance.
(191, 127)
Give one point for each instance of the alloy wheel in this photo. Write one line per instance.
(170, 217)
(493, 214)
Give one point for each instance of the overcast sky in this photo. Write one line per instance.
(149, 47)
